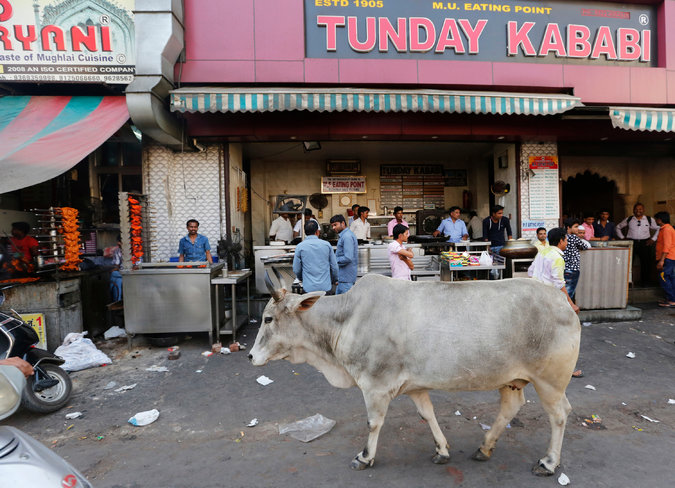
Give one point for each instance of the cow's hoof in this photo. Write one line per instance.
(539, 469)
(480, 456)
(440, 459)
(359, 465)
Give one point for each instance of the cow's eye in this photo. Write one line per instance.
(268, 320)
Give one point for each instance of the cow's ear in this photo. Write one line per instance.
(306, 301)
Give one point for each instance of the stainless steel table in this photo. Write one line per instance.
(170, 297)
(233, 278)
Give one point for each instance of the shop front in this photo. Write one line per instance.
(423, 106)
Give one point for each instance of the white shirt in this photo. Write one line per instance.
(637, 228)
(361, 230)
(298, 226)
(282, 229)
(476, 227)
(399, 268)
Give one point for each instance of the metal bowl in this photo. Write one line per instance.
(518, 249)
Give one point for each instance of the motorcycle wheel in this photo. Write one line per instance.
(50, 399)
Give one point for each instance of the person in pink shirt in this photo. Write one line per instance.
(589, 220)
(398, 219)
(400, 258)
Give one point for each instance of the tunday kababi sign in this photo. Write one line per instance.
(78, 41)
(523, 31)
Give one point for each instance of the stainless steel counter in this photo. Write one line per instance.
(171, 297)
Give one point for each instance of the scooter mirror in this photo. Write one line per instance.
(12, 383)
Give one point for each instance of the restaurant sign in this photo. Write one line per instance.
(343, 184)
(522, 31)
(71, 41)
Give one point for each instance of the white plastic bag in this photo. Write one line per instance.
(80, 353)
(485, 259)
(309, 428)
(144, 418)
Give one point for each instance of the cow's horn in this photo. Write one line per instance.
(270, 287)
(281, 279)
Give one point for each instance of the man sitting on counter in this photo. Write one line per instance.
(194, 246)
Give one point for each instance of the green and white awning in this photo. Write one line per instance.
(364, 100)
(645, 119)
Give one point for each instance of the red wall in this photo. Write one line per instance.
(262, 41)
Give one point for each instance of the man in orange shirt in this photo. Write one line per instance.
(665, 257)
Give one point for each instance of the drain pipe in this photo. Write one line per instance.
(159, 43)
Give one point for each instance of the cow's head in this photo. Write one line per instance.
(278, 332)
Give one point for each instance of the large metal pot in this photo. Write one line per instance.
(518, 249)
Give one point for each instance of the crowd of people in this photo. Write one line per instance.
(558, 260)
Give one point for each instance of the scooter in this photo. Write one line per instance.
(49, 388)
(23, 460)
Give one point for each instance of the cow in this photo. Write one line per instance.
(392, 337)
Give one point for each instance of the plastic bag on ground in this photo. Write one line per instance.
(144, 418)
(114, 332)
(309, 428)
(80, 353)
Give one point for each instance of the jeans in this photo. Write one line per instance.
(571, 280)
(494, 274)
(343, 288)
(116, 286)
(667, 279)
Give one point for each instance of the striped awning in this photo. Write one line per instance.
(645, 119)
(364, 100)
(42, 137)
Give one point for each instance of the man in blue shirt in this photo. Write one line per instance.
(347, 254)
(453, 227)
(194, 246)
(314, 262)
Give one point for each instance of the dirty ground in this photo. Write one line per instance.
(201, 438)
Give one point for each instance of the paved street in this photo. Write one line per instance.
(201, 438)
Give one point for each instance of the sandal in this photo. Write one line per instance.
(578, 374)
(667, 304)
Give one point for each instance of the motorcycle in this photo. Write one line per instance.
(49, 388)
(23, 460)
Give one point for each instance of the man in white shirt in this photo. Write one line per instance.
(297, 228)
(360, 227)
(281, 229)
(638, 228)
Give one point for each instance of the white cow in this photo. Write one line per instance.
(392, 337)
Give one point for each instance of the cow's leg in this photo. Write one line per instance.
(377, 404)
(512, 399)
(558, 408)
(426, 410)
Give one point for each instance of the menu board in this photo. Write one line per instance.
(544, 188)
(413, 187)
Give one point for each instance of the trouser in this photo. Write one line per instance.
(667, 279)
(343, 288)
(494, 273)
(571, 280)
(116, 286)
(647, 258)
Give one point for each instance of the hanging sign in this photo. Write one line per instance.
(343, 184)
(522, 31)
(76, 41)
(544, 188)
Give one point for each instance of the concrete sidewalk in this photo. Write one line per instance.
(201, 438)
